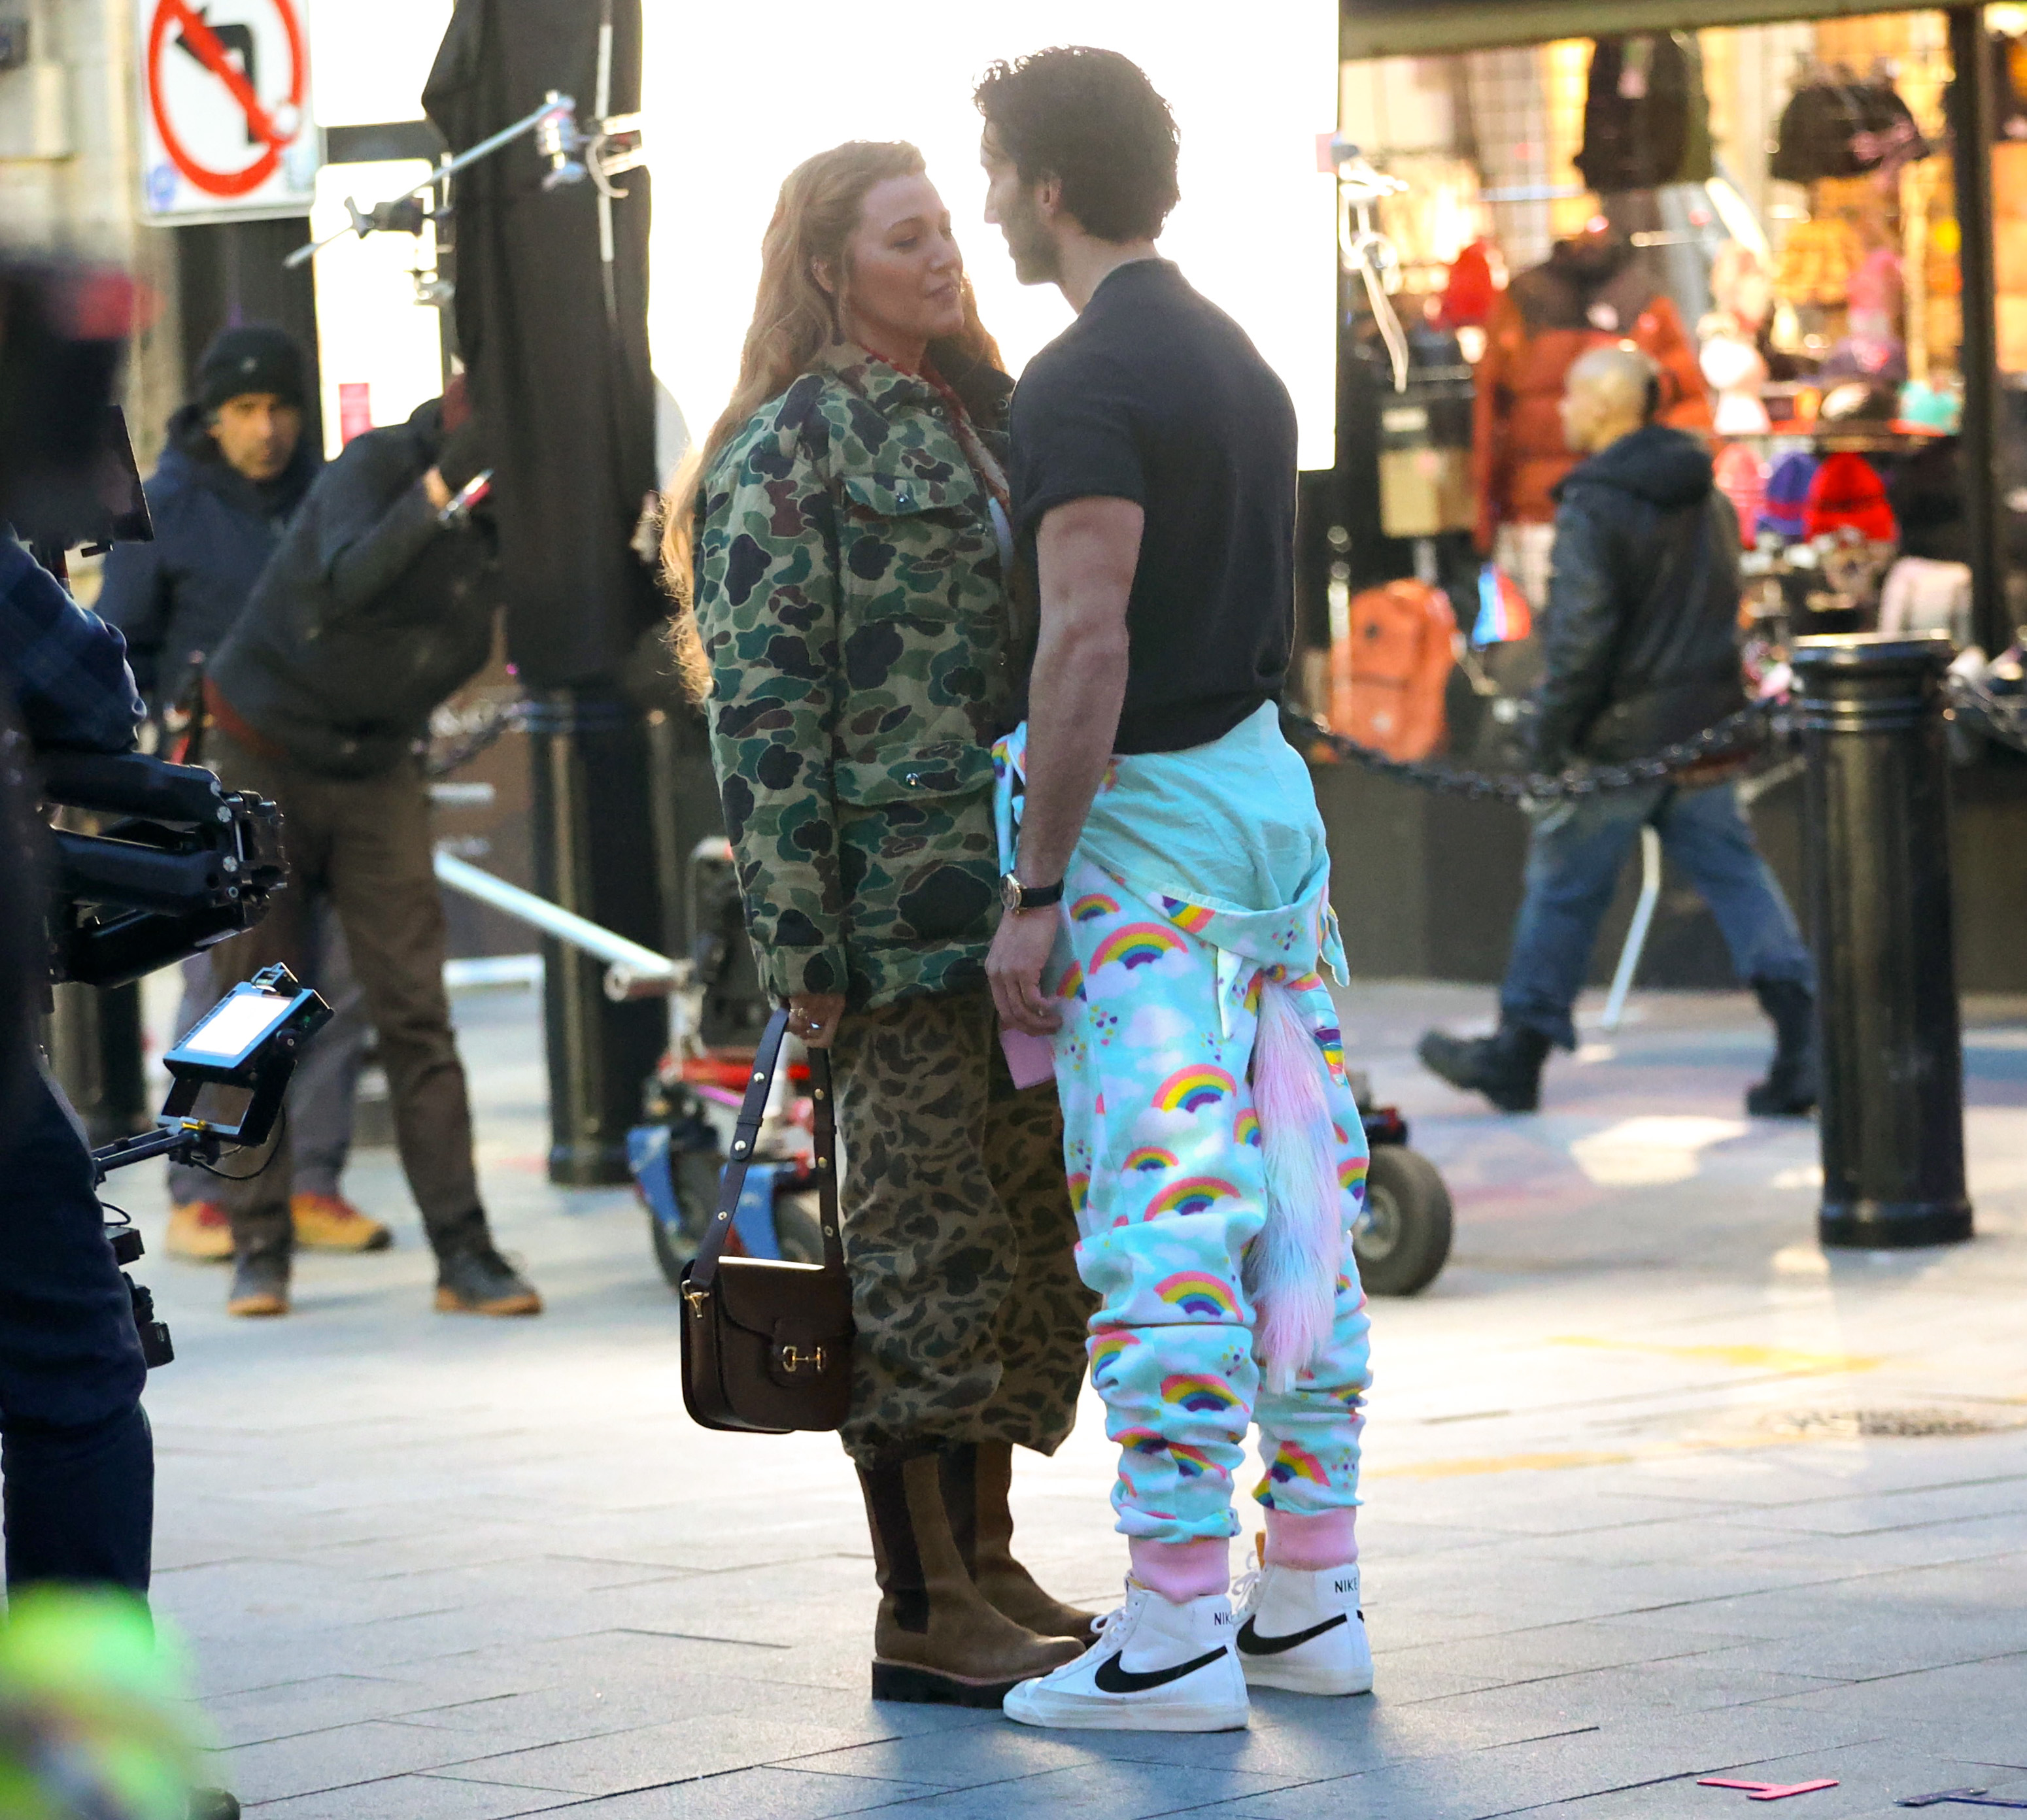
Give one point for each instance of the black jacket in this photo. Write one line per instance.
(176, 598)
(369, 616)
(1641, 638)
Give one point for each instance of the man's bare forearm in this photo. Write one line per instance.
(1078, 685)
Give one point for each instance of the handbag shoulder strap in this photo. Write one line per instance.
(752, 1112)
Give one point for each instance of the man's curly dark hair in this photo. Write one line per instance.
(1092, 119)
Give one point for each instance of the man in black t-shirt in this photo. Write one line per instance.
(1214, 1149)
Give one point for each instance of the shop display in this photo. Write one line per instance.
(1593, 290)
(1388, 664)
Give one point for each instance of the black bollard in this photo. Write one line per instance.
(1877, 856)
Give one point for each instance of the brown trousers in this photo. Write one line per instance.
(365, 843)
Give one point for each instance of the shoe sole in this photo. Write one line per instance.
(1289, 1679)
(906, 1684)
(190, 1255)
(380, 1241)
(448, 1301)
(1083, 1715)
(257, 1308)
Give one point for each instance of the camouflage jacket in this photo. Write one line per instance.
(849, 597)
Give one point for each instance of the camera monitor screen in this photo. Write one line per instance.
(235, 1026)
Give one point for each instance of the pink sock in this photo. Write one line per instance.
(1308, 1543)
(1181, 1571)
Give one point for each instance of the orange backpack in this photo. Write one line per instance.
(1388, 671)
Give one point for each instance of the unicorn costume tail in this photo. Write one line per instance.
(1291, 1268)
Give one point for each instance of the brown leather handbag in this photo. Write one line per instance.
(767, 1344)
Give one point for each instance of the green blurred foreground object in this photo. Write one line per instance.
(93, 1721)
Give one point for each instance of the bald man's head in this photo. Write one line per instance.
(1609, 392)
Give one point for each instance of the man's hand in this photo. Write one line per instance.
(814, 1016)
(1020, 951)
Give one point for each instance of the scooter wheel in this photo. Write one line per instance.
(1402, 1240)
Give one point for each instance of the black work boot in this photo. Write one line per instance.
(1792, 1082)
(472, 1278)
(1505, 1067)
(937, 1640)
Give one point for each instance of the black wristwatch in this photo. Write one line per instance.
(1016, 896)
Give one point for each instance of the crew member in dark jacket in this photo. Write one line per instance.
(1641, 641)
(372, 610)
(234, 469)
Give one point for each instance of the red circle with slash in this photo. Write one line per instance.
(204, 43)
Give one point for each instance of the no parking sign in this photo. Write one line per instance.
(225, 109)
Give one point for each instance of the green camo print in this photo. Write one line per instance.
(850, 600)
(959, 1236)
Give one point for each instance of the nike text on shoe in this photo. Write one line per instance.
(1155, 1668)
(1303, 1631)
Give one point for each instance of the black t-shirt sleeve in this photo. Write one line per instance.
(1073, 438)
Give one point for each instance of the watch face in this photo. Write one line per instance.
(1010, 891)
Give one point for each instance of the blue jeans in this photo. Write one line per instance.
(1574, 857)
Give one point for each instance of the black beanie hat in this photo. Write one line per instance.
(254, 357)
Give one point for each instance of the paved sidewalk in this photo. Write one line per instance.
(1639, 1510)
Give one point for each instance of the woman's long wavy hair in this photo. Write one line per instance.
(795, 319)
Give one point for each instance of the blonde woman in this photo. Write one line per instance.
(845, 558)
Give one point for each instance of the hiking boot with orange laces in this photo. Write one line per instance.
(330, 1223)
(201, 1231)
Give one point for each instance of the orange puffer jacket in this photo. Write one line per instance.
(1540, 327)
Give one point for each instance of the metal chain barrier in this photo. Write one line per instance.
(1738, 736)
(2003, 720)
(456, 754)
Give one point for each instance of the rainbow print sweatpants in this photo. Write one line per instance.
(1163, 1148)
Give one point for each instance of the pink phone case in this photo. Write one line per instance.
(1033, 1059)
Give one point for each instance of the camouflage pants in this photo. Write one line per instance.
(959, 1236)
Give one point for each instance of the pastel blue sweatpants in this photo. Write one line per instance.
(1163, 1147)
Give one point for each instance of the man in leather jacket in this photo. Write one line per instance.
(1641, 644)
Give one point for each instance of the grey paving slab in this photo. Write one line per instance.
(432, 1567)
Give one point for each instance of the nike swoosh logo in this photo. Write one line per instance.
(1112, 1678)
(1252, 1643)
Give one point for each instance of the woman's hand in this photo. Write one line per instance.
(814, 1016)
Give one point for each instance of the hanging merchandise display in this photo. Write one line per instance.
(1388, 667)
(1593, 291)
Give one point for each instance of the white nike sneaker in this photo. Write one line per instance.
(1155, 1668)
(1303, 1631)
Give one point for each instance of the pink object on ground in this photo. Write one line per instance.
(1327, 1539)
(1181, 1571)
(1032, 1060)
(1763, 1791)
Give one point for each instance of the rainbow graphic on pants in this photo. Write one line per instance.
(1192, 1462)
(1331, 1040)
(1192, 917)
(1292, 1462)
(1079, 1188)
(1200, 1395)
(1351, 1174)
(1191, 1089)
(1138, 945)
(1196, 1292)
(1093, 905)
(1150, 1157)
(1193, 1194)
(1106, 1351)
(1246, 1128)
(1071, 984)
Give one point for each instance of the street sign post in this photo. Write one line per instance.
(226, 129)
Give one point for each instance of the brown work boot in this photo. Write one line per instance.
(976, 1479)
(201, 1231)
(330, 1223)
(259, 1289)
(937, 1640)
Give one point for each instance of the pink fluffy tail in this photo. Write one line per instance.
(1291, 1269)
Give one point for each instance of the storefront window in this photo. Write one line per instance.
(1769, 211)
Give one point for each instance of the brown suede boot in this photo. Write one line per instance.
(976, 1480)
(936, 1640)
